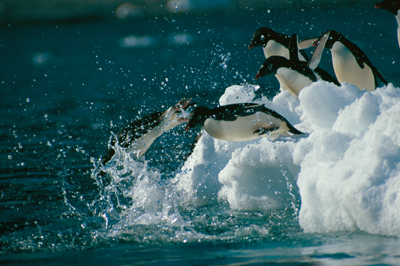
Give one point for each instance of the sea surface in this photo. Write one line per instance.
(67, 87)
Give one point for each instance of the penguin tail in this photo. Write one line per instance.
(293, 130)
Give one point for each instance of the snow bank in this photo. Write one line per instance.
(350, 163)
(347, 168)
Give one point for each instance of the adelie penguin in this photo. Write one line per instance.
(393, 7)
(292, 73)
(138, 136)
(240, 122)
(276, 44)
(350, 64)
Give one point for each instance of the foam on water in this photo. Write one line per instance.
(160, 211)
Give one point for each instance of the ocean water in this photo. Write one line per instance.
(330, 197)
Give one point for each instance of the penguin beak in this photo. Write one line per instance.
(251, 45)
(258, 75)
(187, 127)
(378, 5)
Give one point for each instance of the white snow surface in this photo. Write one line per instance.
(345, 171)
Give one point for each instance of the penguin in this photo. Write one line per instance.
(138, 136)
(293, 73)
(393, 6)
(350, 64)
(240, 122)
(274, 43)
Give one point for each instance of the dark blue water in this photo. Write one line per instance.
(65, 87)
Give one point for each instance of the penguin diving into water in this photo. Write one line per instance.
(293, 73)
(350, 64)
(138, 136)
(240, 122)
(393, 6)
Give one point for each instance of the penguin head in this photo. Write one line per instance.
(390, 5)
(271, 66)
(261, 37)
(173, 113)
(197, 117)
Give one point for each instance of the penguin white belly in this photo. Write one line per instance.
(242, 128)
(274, 48)
(141, 145)
(293, 80)
(282, 83)
(347, 69)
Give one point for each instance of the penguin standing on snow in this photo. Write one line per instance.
(277, 44)
(393, 6)
(240, 122)
(350, 64)
(293, 73)
(140, 134)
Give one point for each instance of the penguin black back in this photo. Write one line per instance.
(263, 35)
(131, 132)
(390, 5)
(231, 113)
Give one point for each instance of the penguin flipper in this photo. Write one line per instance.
(378, 74)
(317, 54)
(307, 43)
(363, 59)
(263, 131)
